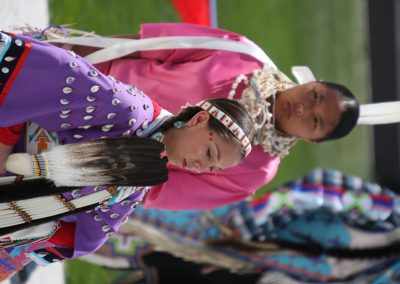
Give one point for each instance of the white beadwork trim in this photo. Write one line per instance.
(46, 206)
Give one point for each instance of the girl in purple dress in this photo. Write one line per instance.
(64, 94)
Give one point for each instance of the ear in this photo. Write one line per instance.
(200, 117)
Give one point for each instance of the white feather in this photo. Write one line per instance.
(20, 163)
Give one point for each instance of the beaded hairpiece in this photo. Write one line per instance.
(233, 127)
(257, 96)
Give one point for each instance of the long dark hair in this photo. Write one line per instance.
(349, 115)
(236, 111)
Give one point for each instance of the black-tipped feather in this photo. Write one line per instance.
(125, 161)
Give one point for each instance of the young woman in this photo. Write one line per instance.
(64, 94)
(315, 111)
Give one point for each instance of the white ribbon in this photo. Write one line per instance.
(112, 48)
(380, 113)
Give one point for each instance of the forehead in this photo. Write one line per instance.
(332, 101)
(332, 108)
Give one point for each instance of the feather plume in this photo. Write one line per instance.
(124, 161)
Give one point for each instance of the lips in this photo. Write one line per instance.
(184, 164)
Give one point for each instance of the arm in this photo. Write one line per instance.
(94, 227)
(5, 151)
(52, 95)
(8, 137)
(86, 50)
(179, 29)
(165, 30)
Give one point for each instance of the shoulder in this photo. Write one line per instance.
(181, 29)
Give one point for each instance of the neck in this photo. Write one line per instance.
(156, 123)
(168, 136)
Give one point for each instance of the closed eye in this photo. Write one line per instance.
(315, 96)
(209, 158)
(315, 122)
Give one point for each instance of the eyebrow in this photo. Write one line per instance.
(321, 124)
(218, 157)
(321, 96)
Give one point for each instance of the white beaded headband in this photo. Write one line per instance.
(233, 127)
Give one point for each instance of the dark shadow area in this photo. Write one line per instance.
(384, 29)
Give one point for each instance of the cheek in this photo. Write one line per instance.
(288, 124)
(177, 146)
(294, 127)
(189, 147)
(195, 151)
(234, 158)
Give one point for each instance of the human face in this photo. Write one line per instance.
(197, 148)
(309, 111)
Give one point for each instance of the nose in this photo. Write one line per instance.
(300, 109)
(199, 166)
(194, 166)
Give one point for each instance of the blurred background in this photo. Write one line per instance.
(329, 36)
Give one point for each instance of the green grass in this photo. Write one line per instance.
(83, 272)
(111, 17)
(327, 35)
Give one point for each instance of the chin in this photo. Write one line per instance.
(172, 162)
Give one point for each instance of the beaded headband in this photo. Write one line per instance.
(233, 127)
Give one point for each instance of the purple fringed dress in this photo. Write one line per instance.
(64, 94)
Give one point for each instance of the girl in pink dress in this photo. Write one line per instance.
(180, 76)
